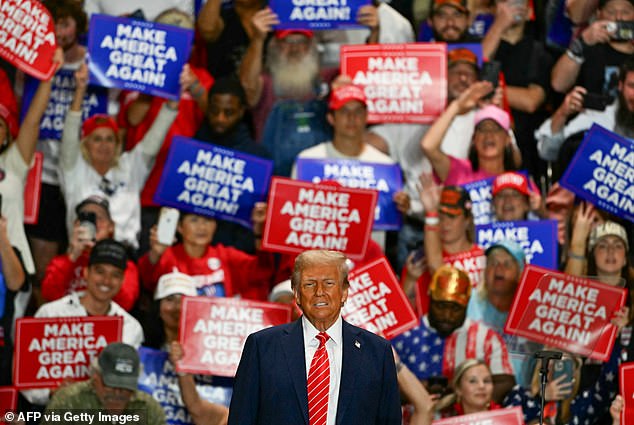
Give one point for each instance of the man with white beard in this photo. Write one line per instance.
(286, 97)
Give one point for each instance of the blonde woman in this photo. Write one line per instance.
(92, 162)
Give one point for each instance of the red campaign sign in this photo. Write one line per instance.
(8, 401)
(566, 312)
(33, 190)
(402, 82)
(27, 37)
(302, 216)
(512, 416)
(376, 301)
(473, 262)
(213, 331)
(49, 350)
(626, 389)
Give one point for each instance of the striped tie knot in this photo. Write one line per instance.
(323, 338)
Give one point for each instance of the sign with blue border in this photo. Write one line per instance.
(384, 178)
(210, 180)
(137, 55)
(331, 14)
(537, 238)
(602, 172)
(159, 379)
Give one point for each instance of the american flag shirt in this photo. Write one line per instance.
(428, 354)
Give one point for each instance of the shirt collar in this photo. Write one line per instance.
(334, 331)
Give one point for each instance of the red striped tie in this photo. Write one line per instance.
(319, 383)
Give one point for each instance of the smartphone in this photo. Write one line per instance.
(437, 384)
(491, 72)
(596, 101)
(88, 220)
(621, 30)
(168, 221)
(564, 366)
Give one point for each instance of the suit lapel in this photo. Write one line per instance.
(351, 363)
(293, 346)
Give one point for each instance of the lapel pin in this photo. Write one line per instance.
(357, 344)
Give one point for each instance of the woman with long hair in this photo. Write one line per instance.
(492, 150)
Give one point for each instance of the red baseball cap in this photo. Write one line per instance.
(461, 5)
(97, 121)
(511, 180)
(345, 94)
(279, 34)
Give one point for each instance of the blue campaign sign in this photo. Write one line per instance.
(328, 14)
(137, 55)
(210, 180)
(62, 90)
(481, 198)
(159, 379)
(602, 172)
(537, 238)
(384, 178)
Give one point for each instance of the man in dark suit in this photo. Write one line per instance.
(318, 370)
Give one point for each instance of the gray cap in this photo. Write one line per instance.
(119, 365)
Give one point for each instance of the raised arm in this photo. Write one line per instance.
(585, 217)
(30, 128)
(210, 23)
(251, 67)
(430, 197)
(566, 70)
(433, 138)
(69, 151)
(203, 412)
(505, 15)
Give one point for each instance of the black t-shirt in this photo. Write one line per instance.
(225, 54)
(523, 64)
(599, 72)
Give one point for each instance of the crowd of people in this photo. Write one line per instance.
(279, 95)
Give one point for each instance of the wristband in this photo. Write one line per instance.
(431, 214)
(431, 228)
(577, 50)
(433, 221)
(576, 256)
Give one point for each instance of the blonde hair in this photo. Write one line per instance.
(119, 149)
(459, 372)
(319, 256)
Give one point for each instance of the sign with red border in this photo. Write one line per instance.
(512, 416)
(27, 37)
(567, 312)
(302, 216)
(213, 331)
(402, 82)
(626, 389)
(8, 401)
(50, 350)
(33, 190)
(376, 301)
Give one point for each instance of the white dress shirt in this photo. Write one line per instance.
(334, 346)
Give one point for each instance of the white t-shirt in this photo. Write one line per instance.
(79, 179)
(13, 171)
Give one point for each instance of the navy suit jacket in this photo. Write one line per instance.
(270, 384)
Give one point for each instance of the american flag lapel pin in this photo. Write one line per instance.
(357, 343)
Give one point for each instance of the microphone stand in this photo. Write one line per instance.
(546, 357)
